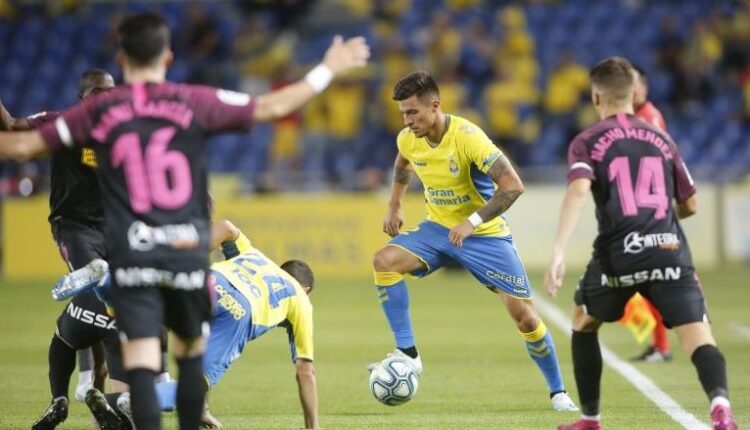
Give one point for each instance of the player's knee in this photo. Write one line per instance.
(384, 261)
(528, 323)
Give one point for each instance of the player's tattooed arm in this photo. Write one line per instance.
(394, 216)
(509, 188)
(402, 170)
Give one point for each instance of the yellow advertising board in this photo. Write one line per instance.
(336, 235)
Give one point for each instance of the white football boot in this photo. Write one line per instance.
(416, 363)
(562, 402)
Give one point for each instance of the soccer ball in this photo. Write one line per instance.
(393, 381)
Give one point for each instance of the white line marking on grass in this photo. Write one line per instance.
(741, 329)
(640, 381)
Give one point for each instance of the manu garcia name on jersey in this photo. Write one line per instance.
(442, 197)
(174, 111)
(613, 135)
(90, 317)
(643, 276)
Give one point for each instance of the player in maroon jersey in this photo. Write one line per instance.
(642, 106)
(659, 350)
(149, 136)
(634, 172)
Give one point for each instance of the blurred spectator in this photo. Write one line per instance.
(517, 68)
(567, 82)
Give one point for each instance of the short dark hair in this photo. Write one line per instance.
(88, 77)
(420, 83)
(143, 37)
(300, 271)
(614, 78)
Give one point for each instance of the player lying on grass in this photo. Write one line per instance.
(253, 295)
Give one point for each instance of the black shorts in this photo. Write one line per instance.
(142, 311)
(79, 243)
(680, 301)
(84, 322)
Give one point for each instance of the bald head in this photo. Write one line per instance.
(612, 82)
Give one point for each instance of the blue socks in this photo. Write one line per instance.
(542, 350)
(394, 299)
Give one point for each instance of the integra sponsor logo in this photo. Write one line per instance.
(635, 243)
(150, 277)
(643, 276)
(90, 317)
(143, 237)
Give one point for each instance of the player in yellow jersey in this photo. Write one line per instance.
(253, 296)
(468, 185)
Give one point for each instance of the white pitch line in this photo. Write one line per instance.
(741, 329)
(640, 381)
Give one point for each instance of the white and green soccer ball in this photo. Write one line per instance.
(393, 381)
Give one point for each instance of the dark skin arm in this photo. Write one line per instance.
(8, 123)
(509, 188)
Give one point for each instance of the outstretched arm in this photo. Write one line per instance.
(509, 188)
(341, 57)
(22, 146)
(8, 123)
(308, 391)
(572, 209)
(394, 217)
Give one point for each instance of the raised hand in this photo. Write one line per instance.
(345, 55)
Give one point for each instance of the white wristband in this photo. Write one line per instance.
(475, 219)
(319, 77)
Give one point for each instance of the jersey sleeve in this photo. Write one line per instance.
(479, 148)
(579, 161)
(300, 329)
(237, 247)
(39, 119)
(402, 144)
(684, 184)
(71, 127)
(218, 110)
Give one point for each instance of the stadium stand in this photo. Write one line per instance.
(517, 69)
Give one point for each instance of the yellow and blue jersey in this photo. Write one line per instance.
(254, 295)
(454, 174)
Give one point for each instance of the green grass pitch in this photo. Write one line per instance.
(477, 373)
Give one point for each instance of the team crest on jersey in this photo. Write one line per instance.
(88, 157)
(453, 167)
(420, 163)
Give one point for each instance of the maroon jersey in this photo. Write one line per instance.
(636, 171)
(149, 141)
(74, 189)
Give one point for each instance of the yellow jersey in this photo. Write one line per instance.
(454, 174)
(275, 297)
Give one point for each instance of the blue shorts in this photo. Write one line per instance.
(492, 260)
(230, 329)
